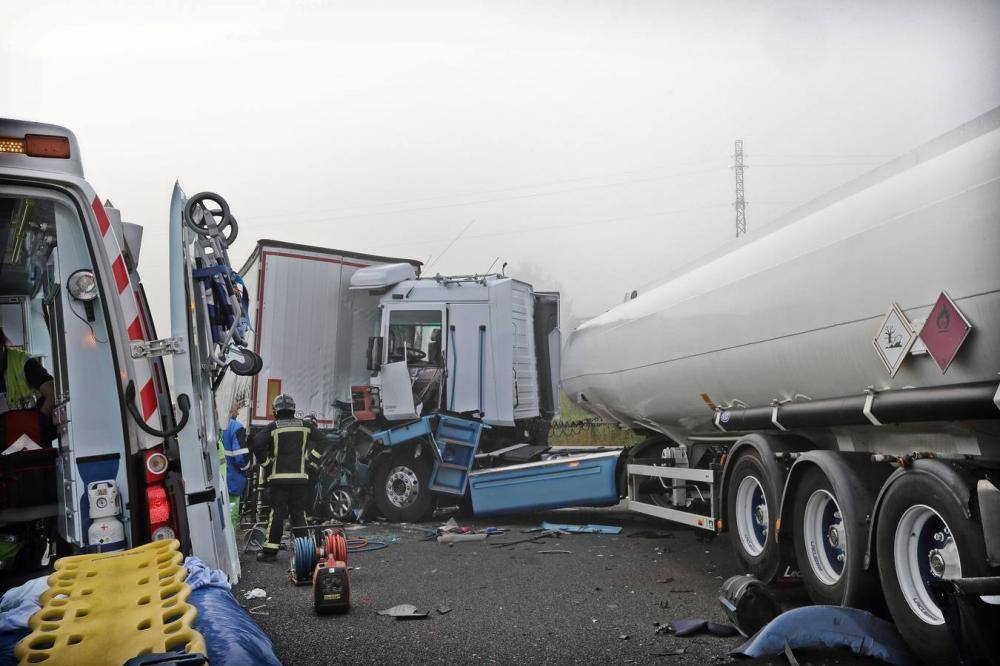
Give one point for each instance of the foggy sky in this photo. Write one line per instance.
(588, 144)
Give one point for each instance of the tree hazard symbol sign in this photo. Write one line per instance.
(944, 331)
(894, 338)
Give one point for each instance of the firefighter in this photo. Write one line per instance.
(289, 448)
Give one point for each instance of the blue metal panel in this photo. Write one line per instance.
(404, 433)
(587, 480)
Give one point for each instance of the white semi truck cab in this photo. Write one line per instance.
(484, 345)
(122, 460)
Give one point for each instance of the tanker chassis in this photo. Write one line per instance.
(826, 391)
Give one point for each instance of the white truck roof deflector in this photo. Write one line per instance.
(381, 277)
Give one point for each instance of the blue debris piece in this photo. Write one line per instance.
(830, 627)
(583, 529)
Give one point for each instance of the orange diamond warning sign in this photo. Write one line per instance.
(944, 331)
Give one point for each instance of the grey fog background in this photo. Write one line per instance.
(588, 144)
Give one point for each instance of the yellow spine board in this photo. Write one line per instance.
(108, 608)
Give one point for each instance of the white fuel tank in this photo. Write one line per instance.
(790, 312)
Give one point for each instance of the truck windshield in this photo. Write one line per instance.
(415, 337)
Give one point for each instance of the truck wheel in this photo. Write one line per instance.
(341, 504)
(402, 487)
(751, 505)
(827, 547)
(923, 535)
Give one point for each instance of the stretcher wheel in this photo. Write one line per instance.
(250, 364)
(209, 203)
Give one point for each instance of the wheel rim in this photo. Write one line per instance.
(924, 550)
(341, 503)
(751, 515)
(402, 487)
(825, 537)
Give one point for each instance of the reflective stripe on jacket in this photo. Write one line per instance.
(289, 450)
(19, 393)
(236, 455)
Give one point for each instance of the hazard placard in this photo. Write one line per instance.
(944, 331)
(894, 338)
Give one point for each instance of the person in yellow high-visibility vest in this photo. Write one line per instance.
(24, 383)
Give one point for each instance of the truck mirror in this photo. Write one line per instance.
(375, 352)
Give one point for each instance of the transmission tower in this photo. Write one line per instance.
(740, 203)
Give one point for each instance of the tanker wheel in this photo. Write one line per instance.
(829, 543)
(924, 535)
(402, 487)
(751, 506)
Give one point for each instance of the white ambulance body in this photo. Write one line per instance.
(124, 471)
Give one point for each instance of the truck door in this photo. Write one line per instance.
(471, 384)
(413, 369)
(212, 535)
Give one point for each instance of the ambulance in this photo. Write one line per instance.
(127, 455)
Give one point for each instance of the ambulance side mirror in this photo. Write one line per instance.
(375, 353)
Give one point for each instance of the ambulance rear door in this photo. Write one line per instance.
(212, 534)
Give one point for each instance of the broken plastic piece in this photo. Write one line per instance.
(255, 593)
(404, 612)
(458, 538)
(829, 626)
(583, 529)
(692, 626)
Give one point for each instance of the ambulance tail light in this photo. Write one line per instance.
(160, 514)
(158, 504)
(36, 145)
(156, 466)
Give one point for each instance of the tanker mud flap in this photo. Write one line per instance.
(971, 608)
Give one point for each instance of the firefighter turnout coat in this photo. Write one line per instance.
(290, 449)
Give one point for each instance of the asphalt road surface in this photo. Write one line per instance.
(600, 602)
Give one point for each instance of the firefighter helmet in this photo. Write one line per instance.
(283, 403)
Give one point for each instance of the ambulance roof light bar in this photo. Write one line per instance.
(39, 147)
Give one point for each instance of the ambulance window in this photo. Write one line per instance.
(415, 336)
(27, 245)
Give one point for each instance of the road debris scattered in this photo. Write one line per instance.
(404, 612)
(673, 652)
(555, 552)
(444, 610)
(255, 593)
(582, 529)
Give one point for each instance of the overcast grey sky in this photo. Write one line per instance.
(587, 143)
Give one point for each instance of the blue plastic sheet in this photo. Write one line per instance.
(231, 635)
(583, 529)
(199, 575)
(20, 603)
(8, 639)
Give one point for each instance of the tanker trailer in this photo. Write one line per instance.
(826, 390)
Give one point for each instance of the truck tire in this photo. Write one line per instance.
(402, 487)
(751, 505)
(923, 534)
(828, 546)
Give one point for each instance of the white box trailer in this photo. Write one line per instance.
(309, 328)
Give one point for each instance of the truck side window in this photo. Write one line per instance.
(415, 337)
